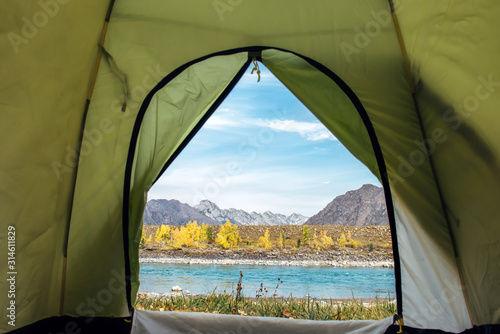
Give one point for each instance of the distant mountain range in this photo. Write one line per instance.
(241, 217)
(173, 212)
(364, 206)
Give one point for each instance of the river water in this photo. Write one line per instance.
(317, 282)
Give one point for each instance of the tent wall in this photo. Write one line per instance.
(47, 54)
(418, 255)
(454, 57)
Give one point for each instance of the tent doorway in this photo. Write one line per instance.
(265, 156)
(187, 98)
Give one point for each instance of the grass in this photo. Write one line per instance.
(303, 308)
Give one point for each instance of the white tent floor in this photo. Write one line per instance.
(191, 322)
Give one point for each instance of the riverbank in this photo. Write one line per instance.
(273, 257)
(292, 308)
(372, 248)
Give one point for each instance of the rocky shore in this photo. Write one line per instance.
(273, 257)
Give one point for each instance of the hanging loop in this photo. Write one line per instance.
(256, 68)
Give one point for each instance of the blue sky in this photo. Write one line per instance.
(262, 150)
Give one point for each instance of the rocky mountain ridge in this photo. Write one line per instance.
(360, 207)
(363, 206)
(241, 217)
(173, 212)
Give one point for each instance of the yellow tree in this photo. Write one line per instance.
(316, 243)
(282, 240)
(163, 233)
(306, 234)
(228, 235)
(326, 241)
(143, 239)
(264, 241)
(342, 241)
(207, 233)
(187, 236)
(176, 238)
(193, 234)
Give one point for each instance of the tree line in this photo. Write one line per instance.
(199, 236)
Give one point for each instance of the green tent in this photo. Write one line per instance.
(98, 97)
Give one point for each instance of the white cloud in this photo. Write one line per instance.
(219, 123)
(311, 131)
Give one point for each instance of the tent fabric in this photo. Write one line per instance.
(484, 329)
(80, 325)
(437, 280)
(457, 93)
(74, 172)
(192, 322)
(44, 84)
(182, 102)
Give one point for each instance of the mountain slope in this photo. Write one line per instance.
(241, 217)
(173, 212)
(364, 206)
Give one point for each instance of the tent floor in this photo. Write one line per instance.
(71, 325)
(485, 329)
(80, 325)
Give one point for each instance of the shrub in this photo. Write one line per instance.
(371, 246)
(354, 244)
(228, 235)
(298, 242)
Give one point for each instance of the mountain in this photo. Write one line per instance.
(363, 206)
(241, 217)
(173, 212)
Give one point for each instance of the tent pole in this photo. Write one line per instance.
(84, 119)
(433, 168)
